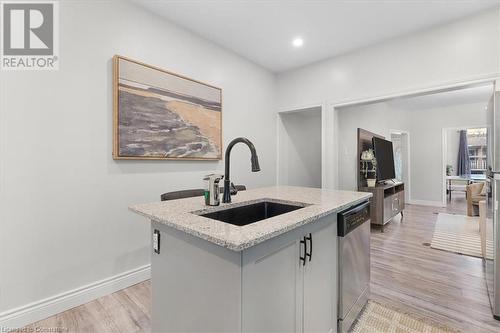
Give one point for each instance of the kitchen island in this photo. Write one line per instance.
(267, 262)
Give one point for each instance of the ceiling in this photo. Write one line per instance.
(262, 31)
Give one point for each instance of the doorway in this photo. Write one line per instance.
(299, 147)
(401, 147)
(465, 163)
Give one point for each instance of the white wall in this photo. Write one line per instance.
(372, 117)
(299, 148)
(464, 50)
(63, 200)
(425, 126)
(426, 145)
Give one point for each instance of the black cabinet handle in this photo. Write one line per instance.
(310, 239)
(303, 258)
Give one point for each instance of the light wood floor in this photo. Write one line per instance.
(127, 310)
(445, 287)
(433, 285)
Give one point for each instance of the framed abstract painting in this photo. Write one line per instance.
(162, 115)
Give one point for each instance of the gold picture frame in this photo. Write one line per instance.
(160, 115)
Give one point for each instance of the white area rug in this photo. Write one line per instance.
(457, 233)
(378, 318)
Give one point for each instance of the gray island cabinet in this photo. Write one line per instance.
(274, 275)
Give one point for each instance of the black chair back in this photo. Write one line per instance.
(198, 192)
(182, 194)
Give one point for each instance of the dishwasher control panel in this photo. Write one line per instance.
(353, 217)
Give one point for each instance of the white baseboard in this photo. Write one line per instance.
(426, 203)
(32, 312)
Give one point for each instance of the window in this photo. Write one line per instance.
(476, 140)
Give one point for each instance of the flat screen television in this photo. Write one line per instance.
(385, 159)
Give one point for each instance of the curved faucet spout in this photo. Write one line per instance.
(254, 160)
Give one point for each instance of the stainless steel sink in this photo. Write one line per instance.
(247, 214)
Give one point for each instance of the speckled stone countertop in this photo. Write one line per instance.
(182, 214)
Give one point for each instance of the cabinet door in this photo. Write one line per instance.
(392, 206)
(272, 286)
(320, 279)
(401, 200)
(388, 208)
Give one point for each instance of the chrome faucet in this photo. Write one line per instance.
(255, 165)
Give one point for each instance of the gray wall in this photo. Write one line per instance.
(300, 148)
(425, 126)
(63, 200)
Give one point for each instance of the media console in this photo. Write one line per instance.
(388, 201)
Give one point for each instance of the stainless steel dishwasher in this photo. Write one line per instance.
(354, 263)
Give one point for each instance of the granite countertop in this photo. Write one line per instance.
(179, 214)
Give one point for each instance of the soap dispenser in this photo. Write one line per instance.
(212, 192)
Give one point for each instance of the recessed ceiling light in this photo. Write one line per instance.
(298, 42)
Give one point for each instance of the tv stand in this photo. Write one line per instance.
(388, 196)
(388, 201)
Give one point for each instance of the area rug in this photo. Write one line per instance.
(377, 318)
(457, 233)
